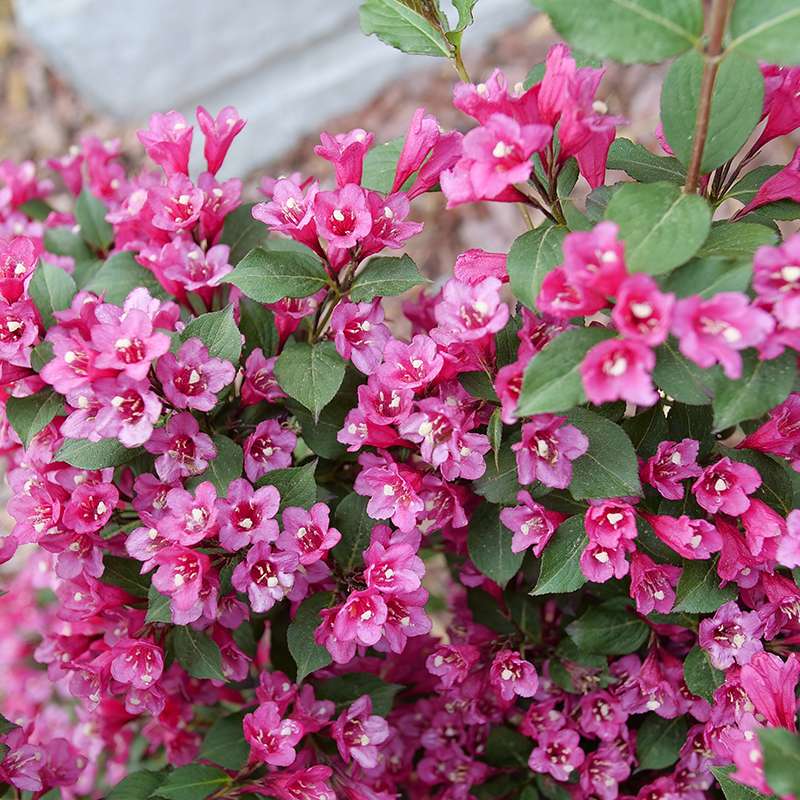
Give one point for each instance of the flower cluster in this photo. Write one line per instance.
(538, 537)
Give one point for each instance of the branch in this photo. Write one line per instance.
(719, 16)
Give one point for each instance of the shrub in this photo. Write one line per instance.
(253, 496)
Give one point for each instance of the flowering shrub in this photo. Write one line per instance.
(534, 540)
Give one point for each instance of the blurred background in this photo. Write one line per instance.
(291, 67)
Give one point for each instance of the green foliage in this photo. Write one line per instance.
(118, 276)
(197, 653)
(781, 759)
(701, 678)
(51, 289)
(608, 629)
(642, 165)
(95, 455)
(224, 744)
(344, 690)
(768, 30)
(385, 277)
(193, 782)
(489, 545)
(224, 468)
(398, 24)
(307, 654)
(531, 257)
(355, 525)
(218, 332)
(310, 373)
(242, 233)
(29, 415)
(90, 212)
(659, 740)
(559, 569)
(698, 589)
(296, 485)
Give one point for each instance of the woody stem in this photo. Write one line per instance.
(713, 51)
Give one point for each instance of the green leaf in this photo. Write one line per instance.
(36, 208)
(295, 485)
(736, 107)
(346, 689)
(271, 275)
(629, 31)
(609, 468)
(84, 454)
(242, 233)
(733, 790)
(40, 355)
(777, 489)
(781, 759)
(494, 431)
(51, 289)
(158, 609)
(6, 726)
(29, 415)
(698, 589)
(225, 744)
(197, 653)
(608, 630)
(646, 430)
(310, 373)
(735, 239)
(465, 10)
(137, 786)
(486, 611)
(380, 165)
(218, 332)
(499, 483)
(506, 747)
(225, 467)
(763, 385)
(768, 30)
(746, 188)
(257, 324)
(642, 165)
(682, 379)
(307, 654)
(400, 26)
(531, 257)
(385, 277)
(479, 385)
(709, 275)
(489, 545)
(355, 525)
(126, 574)
(559, 569)
(90, 212)
(119, 275)
(552, 381)
(662, 227)
(659, 741)
(701, 678)
(65, 242)
(195, 782)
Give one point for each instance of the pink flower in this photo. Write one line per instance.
(266, 575)
(346, 152)
(467, 312)
(177, 205)
(770, 683)
(695, 539)
(180, 575)
(138, 663)
(599, 562)
(358, 732)
(780, 434)
(410, 366)
(128, 410)
(452, 663)
(182, 450)
(713, 331)
(361, 618)
(512, 675)
(547, 450)
(673, 462)
(192, 378)
(776, 272)
(642, 312)
(259, 379)
(788, 552)
(422, 135)
(382, 405)
(19, 330)
(562, 298)
(247, 515)
(731, 635)
(219, 134)
(785, 185)
(724, 486)
(343, 217)
(557, 753)
(308, 784)
(393, 568)
(532, 524)
(168, 141)
(389, 225)
(405, 617)
(781, 103)
(602, 715)
(192, 268)
(602, 772)
(360, 335)
(129, 344)
(392, 494)
(269, 447)
(90, 507)
(290, 211)
(271, 739)
(652, 585)
(595, 259)
(610, 523)
(189, 519)
(474, 266)
(619, 369)
(308, 533)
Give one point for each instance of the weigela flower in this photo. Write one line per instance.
(725, 486)
(127, 410)
(191, 379)
(190, 519)
(168, 141)
(619, 369)
(452, 663)
(780, 434)
(137, 663)
(731, 635)
(691, 538)
(714, 331)
(602, 715)
(410, 366)
(180, 575)
(770, 683)
(531, 523)
(360, 335)
(512, 675)
(291, 211)
(641, 311)
(176, 206)
(346, 152)
(361, 617)
(308, 533)
(652, 585)
(673, 462)
(266, 575)
(358, 732)
(474, 266)
(181, 448)
(392, 490)
(90, 507)
(547, 450)
(563, 299)
(219, 133)
(595, 260)
(269, 447)
(259, 379)
(557, 753)
(343, 217)
(272, 740)
(467, 312)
